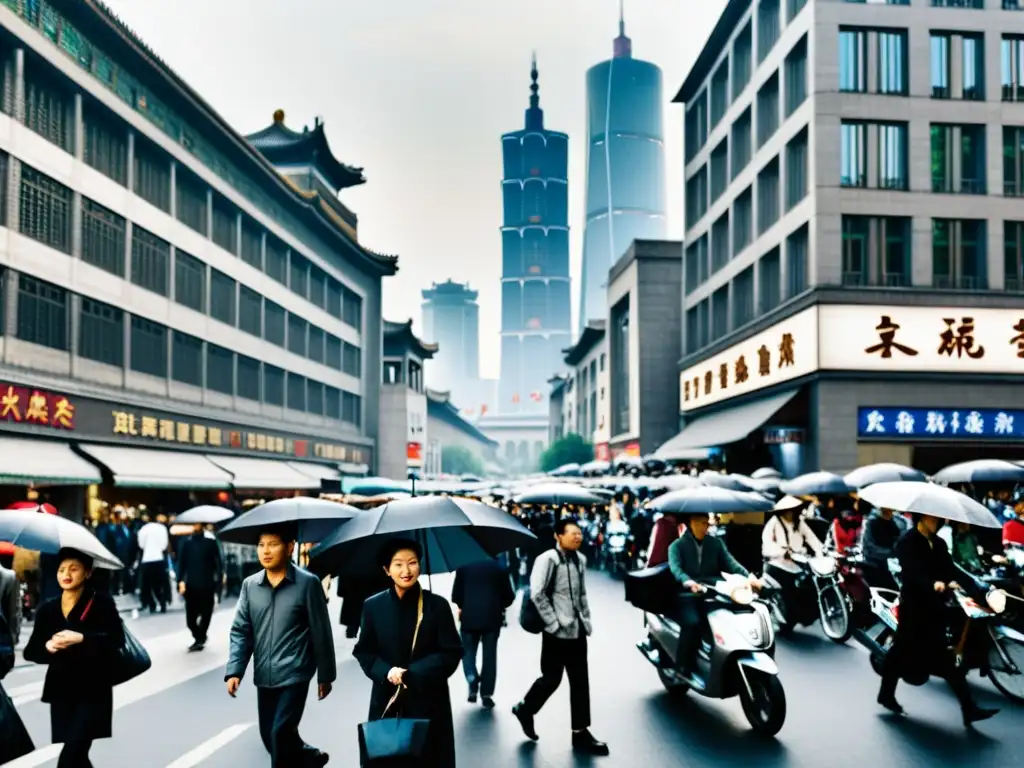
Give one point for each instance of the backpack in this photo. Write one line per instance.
(529, 617)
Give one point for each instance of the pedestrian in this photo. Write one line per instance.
(73, 635)
(10, 603)
(354, 592)
(154, 542)
(482, 592)
(558, 588)
(281, 623)
(408, 639)
(200, 570)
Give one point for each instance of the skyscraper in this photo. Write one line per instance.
(535, 297)
(451, 319)
(625, 167)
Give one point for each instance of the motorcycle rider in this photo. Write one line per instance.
(878, 544)
(786, 534)
(920, 649)
(692, 557)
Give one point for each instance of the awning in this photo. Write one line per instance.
(43, 462)
(316, 471)
(724, 427)
(264, 474)
(147, 468)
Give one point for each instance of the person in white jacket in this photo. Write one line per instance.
(787, 532)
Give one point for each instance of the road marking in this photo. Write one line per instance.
(210, 746)
(37, 758)
(25, 693)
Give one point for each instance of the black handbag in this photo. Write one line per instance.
(129, 660)
(14, 739)
(384, 741)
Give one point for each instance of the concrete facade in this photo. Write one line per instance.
(404, 438)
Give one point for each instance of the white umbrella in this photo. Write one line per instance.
(50, 534)
(929, 499)
(884, 472)
(205, 514)
(765, 472)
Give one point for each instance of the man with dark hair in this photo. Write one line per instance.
(281, 619)
(559, 590)
(200, 570)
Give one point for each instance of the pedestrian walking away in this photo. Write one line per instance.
(408, 639)
(482, 592)
(154, 541)
(10, 604)
(200, 570)
(281, 623)
(558, 589)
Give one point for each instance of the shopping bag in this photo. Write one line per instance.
(14, 739)
(393, 738)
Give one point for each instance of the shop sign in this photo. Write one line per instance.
(36, 407)
(602, 452)
(414, 454)
(783, 436)
(940, 423)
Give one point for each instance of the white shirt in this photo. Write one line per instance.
(153, 541)
(779, 536)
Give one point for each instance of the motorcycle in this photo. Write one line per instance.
(854, 587)
(736, 654)
(815, 594)
(618, 551)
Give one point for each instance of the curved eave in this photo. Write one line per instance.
(587, 341)
(448, 413)
(311, 148)
(401, 335)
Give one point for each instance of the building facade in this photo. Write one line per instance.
(168, 284)
(403, 437)
(447, 428)
(451, 319)
(587, 377)
(625, 168)
(854, 237)
(535, 287)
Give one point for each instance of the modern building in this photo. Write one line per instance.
(451, 319)
(854, 256)
(190, 310)
(587, 377)
(535, 289)
(558, 410)
(625, 167)
(403, 438)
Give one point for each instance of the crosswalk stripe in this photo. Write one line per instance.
(37, 758)
(210, 746)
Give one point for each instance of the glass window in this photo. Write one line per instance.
(105, 143)
(277, 260)
(151, 261)
(892, 62)
(796, 169)
(769, 281)
(48, 107)
(314, 397)
(352, 408)
(855, 250)
(796, 76)
(853, 60)
(42, 313)
(352, 362)
(273, 385)
(742, 51)
(1013, 255)
(225, 224)
(250, 311)
(973, 160)
(149, 347)
(741, 137)
(768, 27)
(796, 262)
(249, 378)
(768, 110)
(152, 175)
(273, 323)
(45, 210)
(222, 297)
(187, 359)
(719, 92)
(332, 403)
(296, 392)
(299, 282)
(719, 169)
(316, 344)
(297, 329)
(191, 203)
(220, 369)
(101, 332)
(893, 169)
(103, 238)
(252, 243)
(333, 352)
(189, 281)
(1013, 161)
(940, 65)
(352, 309)
(973, 68)
(768, 196)
(1011, 58)
(743, 220)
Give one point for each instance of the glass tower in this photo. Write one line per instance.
(451, 319)
(625, 167)
(535, 300)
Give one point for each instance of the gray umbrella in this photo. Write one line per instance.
(709, 500)
(314, 519)
(929, 499)
(981, 471)
(729, 482)
(49, 534)
(765, 472)
(884, 472)
(206, 514)
(557, 494)
(816, 484)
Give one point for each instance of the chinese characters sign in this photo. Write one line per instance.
(940, 423)
(36, 407)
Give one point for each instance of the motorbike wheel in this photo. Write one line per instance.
(1009, 684)
(777, 609)
(766, 709)
(673, 686)
(835, 616)
(877, 663)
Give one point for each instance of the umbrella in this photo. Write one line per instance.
(886, 472)
(765, 473)
(816, 484)
(49, 534)
(981, 471)
(373, 486)
(709, 500)
(206, 514)
(316, 519)
(678, 482)
(452, 532)
(596, 467)
(557, 494)
(729, 482)
(929, 499)
(45, 508)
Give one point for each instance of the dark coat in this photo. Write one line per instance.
(483, 591)
(382, 645)
(199, 564)
(354, 591)
(80, 695)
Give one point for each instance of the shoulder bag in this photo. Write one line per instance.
(529, 617)
(129, 660)
(394, 738)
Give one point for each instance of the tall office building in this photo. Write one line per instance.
(535, 295)
(625, 167)
(451, 319)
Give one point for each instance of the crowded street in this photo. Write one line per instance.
(179, 716)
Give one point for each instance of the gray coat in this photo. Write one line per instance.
(285, 629)
(568, 598)
(10, 602)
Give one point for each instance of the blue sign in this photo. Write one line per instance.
(940, 423)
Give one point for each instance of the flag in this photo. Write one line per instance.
(515, 398)
(536, 397)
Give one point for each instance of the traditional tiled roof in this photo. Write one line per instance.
(592, 333)
(401, 333)
(281, 145)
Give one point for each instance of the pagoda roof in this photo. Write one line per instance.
(450, 288)
(591, 335)
(282, 146)
(401, 334)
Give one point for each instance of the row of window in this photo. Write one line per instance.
(44, 317)
(46, 216)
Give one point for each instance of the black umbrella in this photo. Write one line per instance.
(315, 519)
(557, 494)
(981, 471)
(709, 500)
(884, 472)
(50, 534)
(452, 532)
(816, 484)
(205, 514)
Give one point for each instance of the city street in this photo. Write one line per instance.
(178, 714)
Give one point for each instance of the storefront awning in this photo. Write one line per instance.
(724, 427)
(264, 474)
(316, 471)
(146, 468)
(43, 462)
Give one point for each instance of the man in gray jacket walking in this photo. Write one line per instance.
(281, 622)
(558, 588)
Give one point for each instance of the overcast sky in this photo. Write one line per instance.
(418, 92)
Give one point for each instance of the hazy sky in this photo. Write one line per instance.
(418, 92)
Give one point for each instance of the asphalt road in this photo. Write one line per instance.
(178, 714)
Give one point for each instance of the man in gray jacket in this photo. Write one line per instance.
(558, 588)
(281, 621)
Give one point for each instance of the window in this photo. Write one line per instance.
(976, 4)
(719, 92)
(42, 313)
(276, 260)
(220, 369)
(4, 166)
(696, 196)
(299, 270)
(743, 220)
(768, 110)
(352, 360)
(793, 7)
(225, 225)
(352, 309)
(316, 344)
(696, 131)
(1013, 255)
(742, 54)
(101, 332)
(720, 313)
(620, 375)
(222, 297)
(103, 238)
(1013, 161)
(252, 244)
(720, 250)
(48, 107)
(796, 76)
(187, 359)
(796, 169)
(151, 259)
(332, 403)
(314, 397)
(45, 210)
(769, 281)
(743, 298)
(273, 323)
(768, 196)
(742, 137)
(351, 409)
(149, 347)
(334, 298)
(855, 250)
(768, 27)
(940, 45)
(152, 175)
(392, 372)
(250, 311)
(190, 207)
(796, 262)
(333, 352)
(189, 281)
(317, 287)
(853, 60)
(296, 392)
(297, 328)
(719, 169)
(106, 144)
(853, 154)
(1011, 57)
(893, 237)
(273, 385)
(892, 62)
(958, 254)
(893, 164)
(973, 76)
(249, 378)
(966, 145)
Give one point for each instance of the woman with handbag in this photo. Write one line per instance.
(408, 646)
(77, 635)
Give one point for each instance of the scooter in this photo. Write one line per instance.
(736, 656)
(815, 595)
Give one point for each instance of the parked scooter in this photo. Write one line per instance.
(736, 657)
(815, 594)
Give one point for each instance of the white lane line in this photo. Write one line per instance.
(210, 746)
(37, 758)
(25, 693)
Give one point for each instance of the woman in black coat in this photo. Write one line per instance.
(920, 648)
(76, 635)
(385, 652)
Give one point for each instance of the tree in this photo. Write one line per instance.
(459, 460)
(571, 449)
